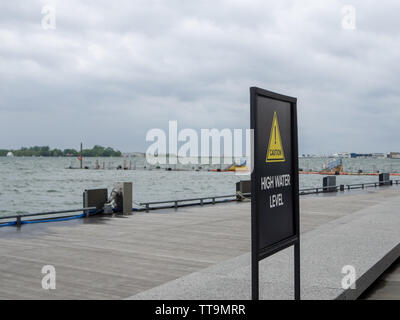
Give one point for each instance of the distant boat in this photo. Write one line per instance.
(10, 154)
(235, 167)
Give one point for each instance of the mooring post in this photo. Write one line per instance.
(384, 179)
(19, 221)
(329, 184)
(80, 157)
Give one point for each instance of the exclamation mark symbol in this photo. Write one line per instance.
(275, 134)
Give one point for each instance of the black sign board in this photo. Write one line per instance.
(275, 180)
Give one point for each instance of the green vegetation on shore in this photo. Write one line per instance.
(37, 151)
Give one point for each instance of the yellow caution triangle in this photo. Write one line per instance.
(275, 150)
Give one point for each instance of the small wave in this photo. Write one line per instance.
(51, 191)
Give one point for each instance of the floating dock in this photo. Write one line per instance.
(203, 252)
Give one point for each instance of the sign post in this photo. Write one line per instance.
(274, 181)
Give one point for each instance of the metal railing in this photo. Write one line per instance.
(318, 190)
(201, 201)
(372, 184)
(146, 206)
(19, 217)
(184, 202)
(342, 187)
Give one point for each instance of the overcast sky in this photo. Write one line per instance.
(112, 70)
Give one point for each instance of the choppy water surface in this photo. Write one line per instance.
(42, 184)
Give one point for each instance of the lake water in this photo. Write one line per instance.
(43, 184)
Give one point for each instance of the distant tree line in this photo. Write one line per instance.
(45, 151)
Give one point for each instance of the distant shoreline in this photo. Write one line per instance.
(67, 157)
(45, 151)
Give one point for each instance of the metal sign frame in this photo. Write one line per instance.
(258, 253)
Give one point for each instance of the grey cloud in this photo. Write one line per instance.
(114, 69)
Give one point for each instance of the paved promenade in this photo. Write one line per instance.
(116, 258)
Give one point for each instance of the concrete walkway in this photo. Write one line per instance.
(115, 258)
(367, 241)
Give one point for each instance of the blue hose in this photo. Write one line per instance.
(8, 224)
(79, 216)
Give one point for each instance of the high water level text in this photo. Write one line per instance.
(272, 182)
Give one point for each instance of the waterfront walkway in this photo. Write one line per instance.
(116, 258)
